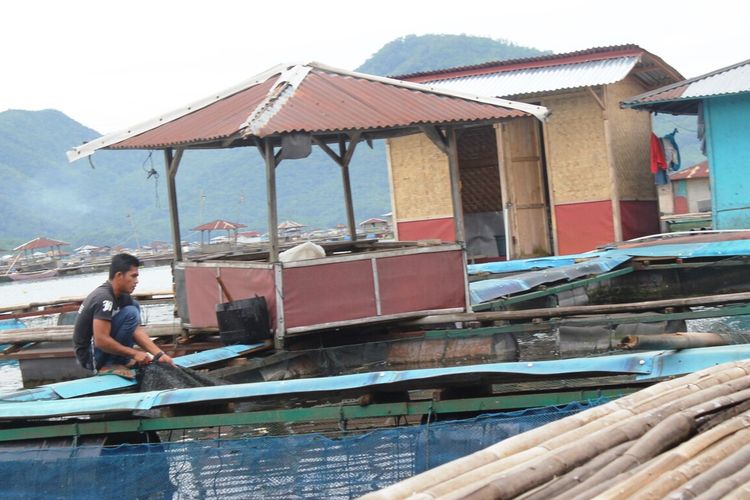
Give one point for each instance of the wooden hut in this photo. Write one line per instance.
(721, 99)
(576, 181)
(283, 112)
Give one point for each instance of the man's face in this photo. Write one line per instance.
(128, 280)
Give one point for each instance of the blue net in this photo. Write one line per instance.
(296, 466)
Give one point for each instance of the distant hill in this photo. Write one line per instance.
(412, 53)
(115, 202)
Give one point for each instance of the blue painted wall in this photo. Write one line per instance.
(727, 122)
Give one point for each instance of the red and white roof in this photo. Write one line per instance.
(307, 98)
(699, 171)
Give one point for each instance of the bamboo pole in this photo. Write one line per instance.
(676, 457)
(711, 477)
(680, 340)
(672, 430)
(728, 486)
(499, 481)
(673, 479)
(577, 475)
(569, 427)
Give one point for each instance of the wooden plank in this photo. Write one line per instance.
(64, 333)
(705, 300)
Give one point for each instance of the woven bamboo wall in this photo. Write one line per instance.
(630, 131)
(421, 179)
(577, 154)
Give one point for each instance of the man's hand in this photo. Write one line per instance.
(142, 358)
(166, 358)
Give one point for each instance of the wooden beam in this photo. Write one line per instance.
(596, 98)
(171, 165)
(436, 136)
(327, 150)
(273, 222)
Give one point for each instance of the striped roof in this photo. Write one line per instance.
(597, 66)
(699, 171)
(684, 96)
(40, 242)
(216, 225)
(307, 98)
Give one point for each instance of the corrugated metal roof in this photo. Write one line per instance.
(559, 71)
(699, 171)
(543, 79)
(40, 242)
(218, 225)
(684, 95)
(310, 98)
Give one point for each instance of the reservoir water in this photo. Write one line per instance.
(151, 280)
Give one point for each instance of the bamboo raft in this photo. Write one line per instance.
(683, 438)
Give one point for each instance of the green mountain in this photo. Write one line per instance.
(113, 200)
(412, 54)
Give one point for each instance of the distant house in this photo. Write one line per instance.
(721, 99)
(579, 180)
(691, 191)
(374, 225)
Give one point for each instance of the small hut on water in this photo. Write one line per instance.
(578, 180)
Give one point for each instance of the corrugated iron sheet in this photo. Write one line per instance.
(732, 80)
(542, 79)
(645, 366)
(310, 98)
(699, 171)
(218, 225)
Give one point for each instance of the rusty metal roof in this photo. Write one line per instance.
(684, 96)
(699, 171)
(310, 98)
(216, 225)
(597, 66)
(40, 242)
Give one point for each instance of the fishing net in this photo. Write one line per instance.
(296, 466)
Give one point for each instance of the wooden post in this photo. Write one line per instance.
(171, 165)
(346, 158)
(458, 211)
(273, 221)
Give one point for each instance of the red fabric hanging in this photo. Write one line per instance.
(657, 155)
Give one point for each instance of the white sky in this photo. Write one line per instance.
(110, 64)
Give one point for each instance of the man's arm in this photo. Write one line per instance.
(144, 341)
(104, 341)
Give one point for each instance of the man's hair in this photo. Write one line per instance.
(121, 263)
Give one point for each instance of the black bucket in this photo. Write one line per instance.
(243, 321)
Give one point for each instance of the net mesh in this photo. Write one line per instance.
(296, 466)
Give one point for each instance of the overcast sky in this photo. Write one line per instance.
(109, 64)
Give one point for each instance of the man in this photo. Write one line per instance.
(109, 325)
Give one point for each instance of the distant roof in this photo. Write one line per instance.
(215, 225)
(290, 224)
(309, 98)
(249, 234)
(373, 220)
(40, 242)
(698, 171)
(515, 77)
(683, 97)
